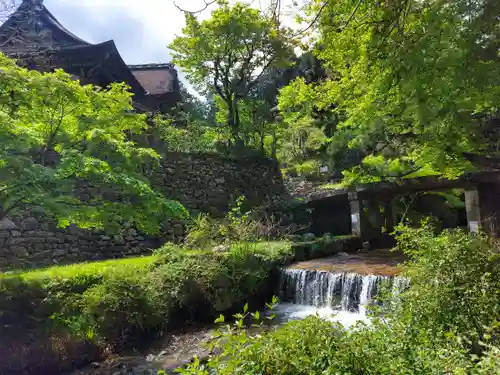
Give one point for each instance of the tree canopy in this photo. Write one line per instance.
(413, 83)
(65, 148)
(383, 89)
(227, 54)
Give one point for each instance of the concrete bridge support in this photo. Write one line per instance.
(369, 216)
(473, 209)
(488, 207)
(483, 208)
(371, 213)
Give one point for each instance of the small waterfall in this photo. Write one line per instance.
(349, 292)
(312, 288)
(369, 290)
(400, 284)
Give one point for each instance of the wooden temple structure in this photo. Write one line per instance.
(37, 40)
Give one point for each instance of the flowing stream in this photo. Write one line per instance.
(341, 297)
(337, 296)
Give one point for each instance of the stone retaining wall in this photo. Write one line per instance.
(203, 183)
(211, 183)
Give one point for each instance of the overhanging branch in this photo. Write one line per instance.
(207, 4)
(313, 22)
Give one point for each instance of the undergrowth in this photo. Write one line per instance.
(445, 323)
(119, 303)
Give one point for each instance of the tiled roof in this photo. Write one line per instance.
(34, 27)
(32, 14)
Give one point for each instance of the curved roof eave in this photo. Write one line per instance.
(53, 20)
(132, 81)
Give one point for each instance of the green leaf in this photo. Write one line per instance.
(220, 319)
(44, 158)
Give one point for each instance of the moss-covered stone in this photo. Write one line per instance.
(324, 247)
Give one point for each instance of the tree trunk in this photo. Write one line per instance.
(233, 119)
(275, 145)
(236, 129)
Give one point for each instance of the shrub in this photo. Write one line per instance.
(123, 307)
(118, 303)
(455, 281)
(203, 232)
(237, 226)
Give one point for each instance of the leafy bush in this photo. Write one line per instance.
(234, 227)
(307, 168)
(124, 306)
(203, 231)
(238, 225)
(119, 302)
(456, 281)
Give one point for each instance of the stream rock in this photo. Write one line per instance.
(178, 351)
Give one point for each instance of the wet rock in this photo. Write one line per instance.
(162, 353)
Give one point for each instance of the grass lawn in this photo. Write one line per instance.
(81, 269)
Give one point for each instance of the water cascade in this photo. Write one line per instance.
(306, 292)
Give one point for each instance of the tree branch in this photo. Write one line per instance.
(216, 79)
(207, 4)
(14, 205)
(353, 14)
(256, 79)
(313, 22)
(246, 63)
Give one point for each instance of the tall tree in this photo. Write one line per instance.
(228, 53)
(64, 148)
(416, 82)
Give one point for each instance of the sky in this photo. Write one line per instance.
(141, 29)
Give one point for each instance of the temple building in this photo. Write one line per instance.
(37, 40)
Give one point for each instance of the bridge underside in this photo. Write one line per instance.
(372, 205)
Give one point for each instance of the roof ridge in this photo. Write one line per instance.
(56, 22)
(151, 65)
(28, 9)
